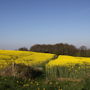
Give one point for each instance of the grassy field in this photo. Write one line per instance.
(20, 70)
(68, 66)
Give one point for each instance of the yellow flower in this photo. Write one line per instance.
(37, 84)
(17, 81)
(31, 82)
(38, 88)
(59, 89)
(26, 85)
(50, 83)
(44, 89)
(56, 82)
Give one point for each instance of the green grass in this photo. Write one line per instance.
(77, 71)
(12, 83)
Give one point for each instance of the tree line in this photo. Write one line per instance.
(59, 49)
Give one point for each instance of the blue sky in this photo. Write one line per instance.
(28, 22)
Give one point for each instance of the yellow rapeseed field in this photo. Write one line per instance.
(69, 60)
(68, 66)
(8, 57)
(63, 66)
(35, 59)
